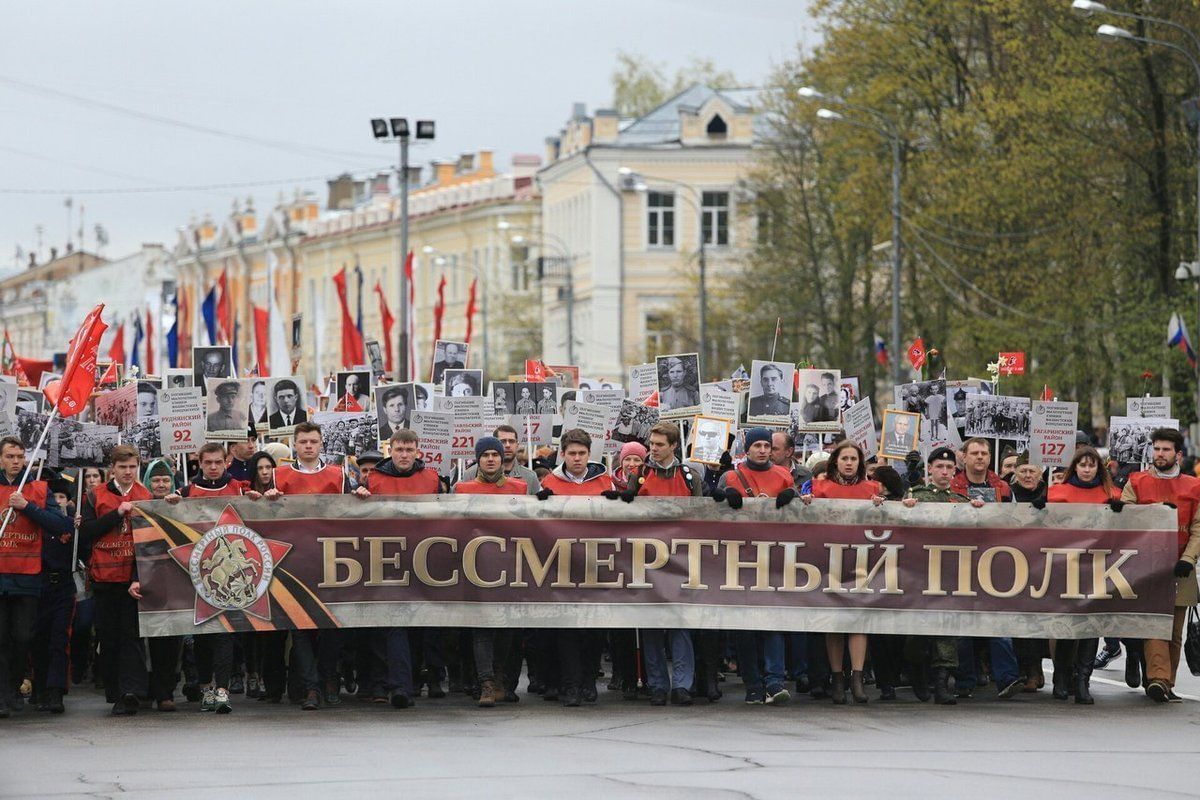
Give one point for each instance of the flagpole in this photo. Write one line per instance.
(775, 340)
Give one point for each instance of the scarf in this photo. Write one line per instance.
(1092, 484)
(837, 478)
(497, 479)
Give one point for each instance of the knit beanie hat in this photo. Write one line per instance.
(485, 443)
(757, 435)
(632, 449)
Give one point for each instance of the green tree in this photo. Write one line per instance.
(640, 84)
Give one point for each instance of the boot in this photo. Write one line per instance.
(1064, 662)
(920, 680)
(54, 703)
(941, 688)
(857, 691)
(839, 688)
(487, 695)
(1085, 658)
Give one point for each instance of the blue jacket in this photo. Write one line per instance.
(54, 524)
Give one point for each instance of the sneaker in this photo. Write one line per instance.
(588, 694)
(1172, 697)
(755, 698)
(209, 701)
(237, 684)
(963, 694)
(1012, 689)
(1106, 657)
(570, 697)
(311, 701)
(777, 695)
(254, 688)
(333, 696)
(436, 692)
(1158, 691)
(221, 697)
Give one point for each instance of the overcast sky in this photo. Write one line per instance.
(292, 85)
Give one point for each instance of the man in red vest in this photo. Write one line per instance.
(1163, 483)
(32, 516)
(664, 476)
(491, 646)
(573, 672)
(105, 529)
(314, 655)
(758, 476)
(214, 651)
(404, 474)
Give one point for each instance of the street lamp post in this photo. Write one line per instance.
(889, 132)
(637, 183)
(397, 128)
(568, 273)
(1115, 34)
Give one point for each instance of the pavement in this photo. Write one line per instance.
(1029, 747)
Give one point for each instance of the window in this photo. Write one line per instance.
(660, 337)
(660, 219)
(717, 127)
(714, 215)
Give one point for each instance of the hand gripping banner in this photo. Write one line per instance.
(1066, 572)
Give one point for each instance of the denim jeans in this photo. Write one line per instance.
(1004, 662)
(751, 645)
(683, 662)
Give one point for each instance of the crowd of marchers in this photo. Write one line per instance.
(52, 643)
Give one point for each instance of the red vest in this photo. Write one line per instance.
(511, 486)
(231, 489)
(752, 483)
(832, 490)
(652, 484)
(21, 544)
(290, 480)
(112, 553)
(1180, 490)
(1066, 493)
(424, 482)
(593, 488)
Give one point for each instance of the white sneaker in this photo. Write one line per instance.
(221, 701)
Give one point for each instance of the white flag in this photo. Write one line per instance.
(279, 352)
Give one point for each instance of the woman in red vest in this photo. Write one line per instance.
(1087, 481)
(105, 529)
(847, 480)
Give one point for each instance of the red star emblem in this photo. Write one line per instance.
(231, 568)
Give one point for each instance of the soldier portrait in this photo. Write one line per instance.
(770, 391)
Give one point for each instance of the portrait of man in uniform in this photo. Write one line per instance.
(770, 391)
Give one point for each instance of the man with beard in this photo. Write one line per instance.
(1164, 483)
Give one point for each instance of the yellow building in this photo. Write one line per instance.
(624, 203)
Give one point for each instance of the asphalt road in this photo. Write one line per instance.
(1030, 747)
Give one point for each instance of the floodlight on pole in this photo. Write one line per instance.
(809, 93)
(1088, 7)
(399, 127)
(379, 127)
(427, 249)
(829, 113)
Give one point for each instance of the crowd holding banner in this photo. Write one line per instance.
(761, 524)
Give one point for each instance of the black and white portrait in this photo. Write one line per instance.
(819, 399)
(447, 355)
(900, 435)
(258, 411)
(771, 385)
(118, 407)
(423, 394)
(226, 404)
(346, 434)
(463, 382)
(375, 358)
(393, 407)
(678, 385)
(1129, 437)
(995, 416)
(285, 408)
(709, 437)
(147, 400)
(927, 398)
(179, 379)
(525, 397)
(848, 394)
(504, 400)
(634, 422)
(356, 385)
(211, 362)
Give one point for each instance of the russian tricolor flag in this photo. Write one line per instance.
(1177, 336)
(881, 353)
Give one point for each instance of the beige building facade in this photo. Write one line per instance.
(624, 204)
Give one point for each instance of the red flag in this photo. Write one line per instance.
(70, 394)
(1012, 363)
(224, 324)
(111, 376)
(535, 370)
(12, 364)
(471, 310)
(30, 370)
(385, 316)
(262, 339)
(116, 350)
(439, 309)
(150, 367)
(1046, 393)
(652, 400)
(352, 345)
(916, 353)
(412, 317)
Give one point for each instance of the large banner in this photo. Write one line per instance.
(1066, 572)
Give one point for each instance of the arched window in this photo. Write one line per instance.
(717, 126)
